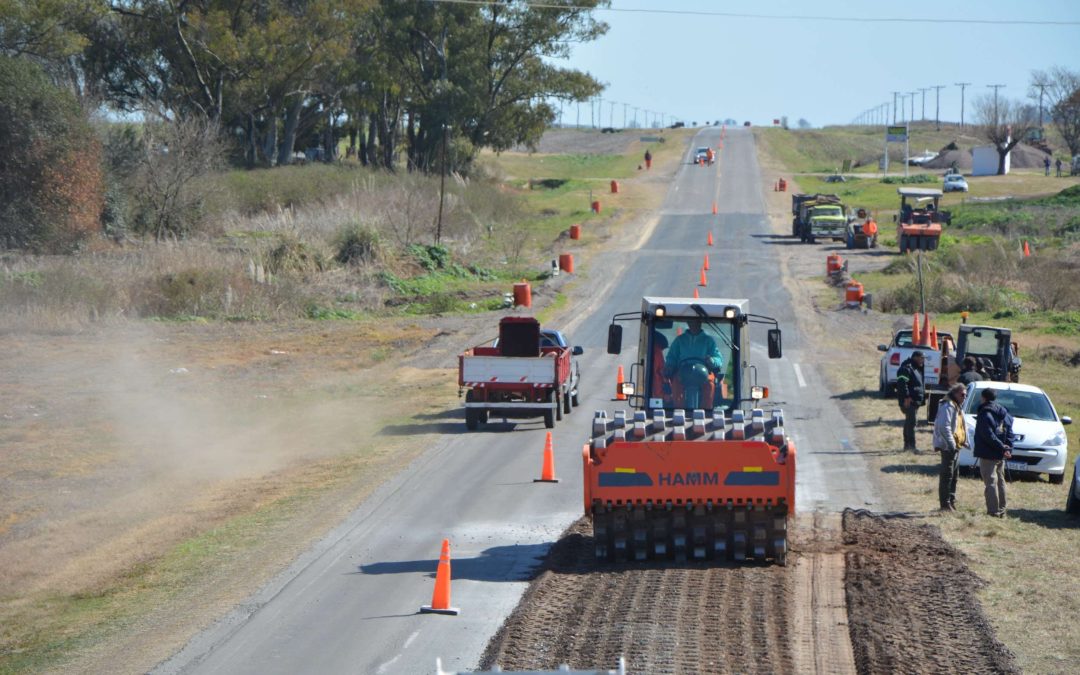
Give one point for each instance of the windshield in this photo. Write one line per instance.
(702, 151)
(1029, 405)
(982, 343)
(828, 211)
(692, 366)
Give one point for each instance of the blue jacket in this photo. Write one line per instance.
(993, 431)
(690, 346)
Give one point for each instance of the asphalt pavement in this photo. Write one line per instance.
(350, 604)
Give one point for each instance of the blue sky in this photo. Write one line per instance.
(704, 68)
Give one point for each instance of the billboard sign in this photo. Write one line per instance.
(896, 134)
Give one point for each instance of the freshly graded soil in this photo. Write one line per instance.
(911, 601)
(911, 608)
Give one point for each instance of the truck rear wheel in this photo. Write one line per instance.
(473, 416)
(566, 402)
(558, 407)
(549, 413)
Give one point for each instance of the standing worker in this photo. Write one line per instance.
(648, 159)
(950, 434)
(969, 372)
(1046, 163)
(911, 393)
(709, 156)
(1058, 165)
(992, 446)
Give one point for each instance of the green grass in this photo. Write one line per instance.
(259, 190)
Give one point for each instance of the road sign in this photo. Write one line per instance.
(896, 134)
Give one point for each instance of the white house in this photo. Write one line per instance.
(984, 161)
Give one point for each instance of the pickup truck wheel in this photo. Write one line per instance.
(1057, 478)
(558, 407)
(574, 399)
(472, 419)
(566, 403)
(549, 413)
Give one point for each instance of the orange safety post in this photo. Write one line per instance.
(440, 599)
(696, 293)
(522, 294)
(619, 395)
(709, 240)
(703, 281)
(714, 209)
(1027, 249)
(547, 471)
(706, 261)
(614, 187)
(575, 231)
(566, 262)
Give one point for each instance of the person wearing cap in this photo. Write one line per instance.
(969, 371)
(911, 393)
(950, 434)
(992, 445)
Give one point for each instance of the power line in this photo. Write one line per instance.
(782, 17)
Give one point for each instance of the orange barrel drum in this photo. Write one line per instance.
(854, 295)
(575, 232)
(870, 228)
(783, 185)
(833, 263)
(522, 294)
(566, 262)
(596, 206)
(648, 164)
(614, 187)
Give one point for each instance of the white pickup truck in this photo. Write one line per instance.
(899, 351)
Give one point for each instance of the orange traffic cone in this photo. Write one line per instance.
(1027, 250)
(695, 296)
(703, 281)
(714, 210)
(440, 599)
(915, 332)
(619, 395)
(547, 472)
(926, 329)
(933, 337)
(709, 240)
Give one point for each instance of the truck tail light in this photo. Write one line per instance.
(894, 360)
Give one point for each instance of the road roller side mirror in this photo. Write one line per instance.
(775, 346)
(614, 339)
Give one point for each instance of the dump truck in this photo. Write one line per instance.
(697, 469)
(918, 225)
(525, 372)
(817, 216)
(996, 355)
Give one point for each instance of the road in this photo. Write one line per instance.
(350, 603)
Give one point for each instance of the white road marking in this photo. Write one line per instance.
(409, 640)
(385, 668)
(798, 375)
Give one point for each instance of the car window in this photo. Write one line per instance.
(1030, 405)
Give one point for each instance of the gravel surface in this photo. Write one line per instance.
(911, 608)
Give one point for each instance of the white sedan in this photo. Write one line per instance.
(954, 182)
(1040, 444)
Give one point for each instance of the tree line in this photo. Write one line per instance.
(420, 84)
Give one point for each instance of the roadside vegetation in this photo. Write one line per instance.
(978, 268)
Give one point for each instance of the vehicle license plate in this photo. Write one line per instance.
(1016, 466)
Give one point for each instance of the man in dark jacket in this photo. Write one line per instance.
(992, 446)
(968, 371)
(911, 393)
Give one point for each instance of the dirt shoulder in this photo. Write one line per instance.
(158, 473)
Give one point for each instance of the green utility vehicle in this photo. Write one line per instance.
(817, 215)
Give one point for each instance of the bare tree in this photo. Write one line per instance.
(1004, 123)
(1060, 88)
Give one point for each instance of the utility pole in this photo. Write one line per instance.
(995, 87)
(445, 132)
(612, 115)
(937, 105)
(894, 106)
(922, 117)
(912, 118)
(635, 117)
(624, 107)
(962, 86)
(903, 107)
(1042, 87)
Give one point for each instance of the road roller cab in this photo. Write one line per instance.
(698, 469)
